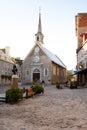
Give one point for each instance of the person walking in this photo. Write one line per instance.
(43, 83)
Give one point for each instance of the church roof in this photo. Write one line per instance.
(52, 56)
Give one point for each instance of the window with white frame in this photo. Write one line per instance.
(46, 72)
(26, 73)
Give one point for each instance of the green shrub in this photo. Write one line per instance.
(6, 77)
(37, 88)
(13, 95)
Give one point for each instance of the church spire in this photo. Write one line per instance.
(39, 36)
(39, 24)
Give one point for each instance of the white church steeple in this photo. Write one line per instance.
(39, 24)
(39, 36)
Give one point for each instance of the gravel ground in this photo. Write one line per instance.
(56, 109)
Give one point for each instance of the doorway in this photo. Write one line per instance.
(36, 75)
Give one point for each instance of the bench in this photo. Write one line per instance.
(29, 92)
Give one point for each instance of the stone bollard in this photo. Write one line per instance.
(15, 80)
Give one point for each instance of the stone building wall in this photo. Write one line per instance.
(5, 69)
(29, 66)
(58, 74)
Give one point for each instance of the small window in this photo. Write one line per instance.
(27, 72)
(37, 38)
(46, 71)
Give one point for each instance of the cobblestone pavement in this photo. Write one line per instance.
(56, 109)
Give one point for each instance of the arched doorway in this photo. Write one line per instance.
(36, 75)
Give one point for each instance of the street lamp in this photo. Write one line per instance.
(80, 66)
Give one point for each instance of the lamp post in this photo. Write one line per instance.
(80, 66)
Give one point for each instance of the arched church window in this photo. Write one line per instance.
(27, 72)
(46, 72)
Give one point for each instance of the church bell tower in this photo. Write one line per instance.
(39, 36)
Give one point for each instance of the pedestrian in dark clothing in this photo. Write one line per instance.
(42, 83)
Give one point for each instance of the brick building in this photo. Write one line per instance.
(81, 33)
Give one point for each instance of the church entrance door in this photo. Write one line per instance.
(36, 75)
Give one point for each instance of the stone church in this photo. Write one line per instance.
(42, 65)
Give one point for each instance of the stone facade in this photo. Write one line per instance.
(33, 70)
(42, 65)
(58, 73)
(43, 69)
(6, 65)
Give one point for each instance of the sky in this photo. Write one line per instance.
(19, 24)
